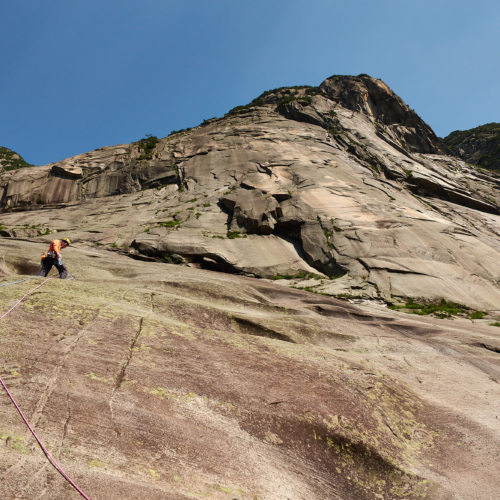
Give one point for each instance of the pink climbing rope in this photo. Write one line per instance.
(24, 296)
(46, 452)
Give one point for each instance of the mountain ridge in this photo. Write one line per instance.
(283, 95)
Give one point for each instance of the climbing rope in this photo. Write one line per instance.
(46, 452)
(25, 279)
(24, 296)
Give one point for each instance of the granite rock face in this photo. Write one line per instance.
(147, 379)
(150, 380)
(378, 102)
(338, 180)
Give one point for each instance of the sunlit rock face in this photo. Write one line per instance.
(343, 179)
(173, 367)
(153, 380)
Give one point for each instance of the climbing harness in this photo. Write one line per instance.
(46, 452)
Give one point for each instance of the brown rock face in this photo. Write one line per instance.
(149, 380)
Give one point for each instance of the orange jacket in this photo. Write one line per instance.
(55, 247)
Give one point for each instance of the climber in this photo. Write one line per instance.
(53, 258)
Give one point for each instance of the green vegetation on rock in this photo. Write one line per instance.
(281, 96)
(480, 145)
(9, 160)
(441, 309)
(147, 146)
(299, 275)
(350, 77)
(235, 234)
(180, 131)
(169, 223)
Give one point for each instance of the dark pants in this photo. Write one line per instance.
(47, 264)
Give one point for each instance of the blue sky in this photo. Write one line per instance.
(78, 75)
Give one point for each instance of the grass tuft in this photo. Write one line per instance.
(235, 234)
(441, 309)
